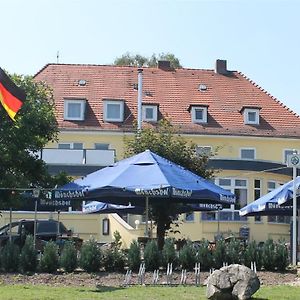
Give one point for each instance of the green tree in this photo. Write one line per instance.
(20, 141)
(167, 142)
(138, 60)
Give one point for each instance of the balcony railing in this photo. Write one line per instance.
(90, 157)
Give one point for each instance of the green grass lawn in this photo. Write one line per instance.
(15, 292)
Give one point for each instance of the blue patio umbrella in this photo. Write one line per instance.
(277, 202)
(144, 176)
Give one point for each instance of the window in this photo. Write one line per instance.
(257, 194)
(189, 217)
(199, 114)
(204, 150)
(101, 146)
(149, 113)
(288, 152)
(113, 111)
(247, 153)
(77, 146)
(251, 116)
(74, 110)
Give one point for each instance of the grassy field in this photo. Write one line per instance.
(24, 292)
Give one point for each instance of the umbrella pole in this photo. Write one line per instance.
(147, 217)
(10, 221)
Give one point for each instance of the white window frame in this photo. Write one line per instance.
(114, 102)
(154, 108)
(246, 116)
(285, 156)
(68, 102)
(254, 151)
(194, 119)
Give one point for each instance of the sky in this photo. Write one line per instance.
(259, 38)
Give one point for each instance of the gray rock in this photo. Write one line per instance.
(232, 282)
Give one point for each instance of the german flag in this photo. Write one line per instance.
(11, 96)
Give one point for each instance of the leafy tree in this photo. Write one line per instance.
(133, 256)
(20, 141)
(50, 259)
(68, 259)
(166, 142)
(138, 60)
(28, 258)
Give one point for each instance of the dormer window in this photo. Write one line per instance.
(199, 113)
(74, 109)
(251, 115)
(149, 113)
(113, 110)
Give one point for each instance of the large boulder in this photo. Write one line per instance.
(232, 282)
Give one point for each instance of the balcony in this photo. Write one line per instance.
(78, 157)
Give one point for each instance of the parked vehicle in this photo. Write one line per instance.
(46, 230)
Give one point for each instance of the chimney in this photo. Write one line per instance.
(164, 65)
(221, 67)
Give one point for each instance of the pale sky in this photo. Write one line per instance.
(259, 38)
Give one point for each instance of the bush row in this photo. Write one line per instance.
(270, 256)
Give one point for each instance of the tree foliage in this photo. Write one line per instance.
(167, 142)
(138, 60)
(20, 141)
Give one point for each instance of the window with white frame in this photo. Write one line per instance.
(287, 152)
(77, 146)
(247, 153)
(113, 111)
(251, 116)
(277, 219)
(231, 213)
(149, 113)
(204, 150)
(199, 114)
(74, 109)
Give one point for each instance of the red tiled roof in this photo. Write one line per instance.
(174, 91)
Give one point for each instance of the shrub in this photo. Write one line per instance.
(169, 253)
(113, 260)
(10, 257)
(253, 253)
(68, 259)
(151, 256)
(282, 256)
(233, 251)
(269, 255)
(219, 254)
(204, 255)
(187, 256)
(133, 256)
(49, 260)
(90, 256)
(28, 257)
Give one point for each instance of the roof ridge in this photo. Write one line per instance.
(268, 94)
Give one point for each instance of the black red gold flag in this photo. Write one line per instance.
(11, 96)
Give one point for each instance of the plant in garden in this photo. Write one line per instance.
(152, 256)
(269, 255)
(49, 260)
(28, 257)
(68, 258)
(169, 253)
(233, 251)
(219, 254)
(90, 256)
(282, 255)
(204, 255)
(253, 253)
(187, 256)
(133, 256)
(10, 257)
